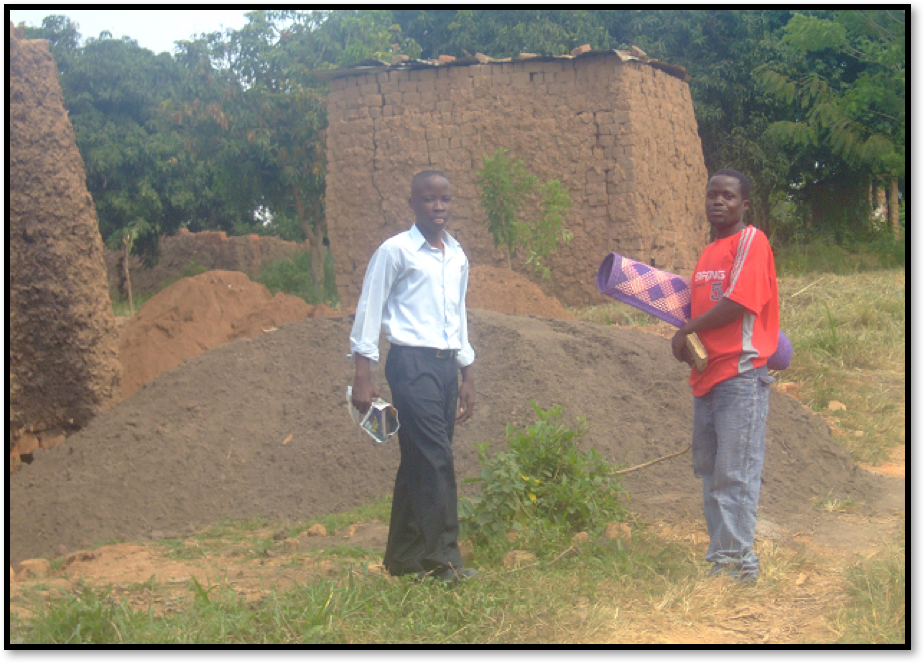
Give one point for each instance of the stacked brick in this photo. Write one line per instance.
(620, 135)
(63, 342)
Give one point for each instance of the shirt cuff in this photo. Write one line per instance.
(465, 357)
(371, 352)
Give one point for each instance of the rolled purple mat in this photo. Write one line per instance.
(663, 295)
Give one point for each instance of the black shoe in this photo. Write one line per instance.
(449, 574)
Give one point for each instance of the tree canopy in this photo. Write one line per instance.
(228, 131)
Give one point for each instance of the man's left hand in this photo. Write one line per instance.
(466, 400)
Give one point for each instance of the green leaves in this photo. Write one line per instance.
(845, 74)
(502, 33)
(543, 486)
(507, 188)
(234, 121)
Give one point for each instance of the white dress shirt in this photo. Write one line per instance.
(415, 293)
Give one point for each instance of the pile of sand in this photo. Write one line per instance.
(259, 428)
(504, 291)
(197, 314)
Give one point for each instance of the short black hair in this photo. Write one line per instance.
(426, 174)
(743, 180)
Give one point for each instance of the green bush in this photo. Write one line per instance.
(824, 256)
(507, 187)
(543, 486)
(293, 277)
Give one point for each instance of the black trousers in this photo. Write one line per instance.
(424, 529)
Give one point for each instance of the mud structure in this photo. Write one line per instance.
(616, 129)
(64, 365)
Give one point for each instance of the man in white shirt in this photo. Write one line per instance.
(414, 291)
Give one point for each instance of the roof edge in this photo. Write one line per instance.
(401, 63)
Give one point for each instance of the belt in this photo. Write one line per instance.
(430, 352)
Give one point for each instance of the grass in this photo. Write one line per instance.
(528, 606)
(615, 313)
(874, 612)
(652, 588)
(121, 309)
(848, 336)
(849, 345)
(835, 504)
(826, 257)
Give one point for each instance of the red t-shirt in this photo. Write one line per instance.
(741, 268)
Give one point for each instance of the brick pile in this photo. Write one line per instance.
(63, 354)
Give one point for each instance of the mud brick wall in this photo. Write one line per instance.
(186, 252)
(621, 136)
(63, 352)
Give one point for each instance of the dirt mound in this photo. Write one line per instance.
(505, 291)
(259, 428)
(212, 250)
(199, 313)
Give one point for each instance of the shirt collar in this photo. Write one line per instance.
(421, 242)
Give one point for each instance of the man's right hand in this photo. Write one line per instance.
(679, 348)
(364, 391)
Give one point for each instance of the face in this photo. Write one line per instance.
(431, 200)
(724, 206)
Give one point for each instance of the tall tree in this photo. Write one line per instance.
(501, 33)
(119, 97)
(262, 112)
(844, 76)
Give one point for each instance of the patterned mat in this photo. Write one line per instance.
(664, 295)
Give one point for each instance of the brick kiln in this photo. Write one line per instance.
(617, 129)
(63, 354)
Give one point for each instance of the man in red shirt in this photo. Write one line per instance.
(735, 313)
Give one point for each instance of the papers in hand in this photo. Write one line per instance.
(380, 422)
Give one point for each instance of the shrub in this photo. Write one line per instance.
(506, 189)
(293, 277)
(542, 486)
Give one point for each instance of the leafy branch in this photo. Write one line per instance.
(506, 189)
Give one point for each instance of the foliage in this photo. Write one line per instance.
(845, 76)
(542, 236)
(821, 256)
(543, 485)
(505, 186)
(874, 612)
(293, 276)
(136, 171)
(506, 189)
(501, 33)
(811, 104)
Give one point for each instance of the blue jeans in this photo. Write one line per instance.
(729, 440)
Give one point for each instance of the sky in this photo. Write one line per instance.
(154, 29)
